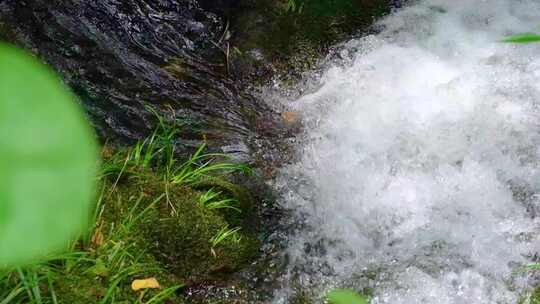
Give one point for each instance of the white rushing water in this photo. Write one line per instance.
(419, 171)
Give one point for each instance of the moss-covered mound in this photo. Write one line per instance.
(158, 218)
(178, 231)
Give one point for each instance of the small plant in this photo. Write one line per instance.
(223, 234)
(158, 149)
(157, 153)
(201, 166)
(345, 296)
(295, 6)
(144, 152)
(210, 200)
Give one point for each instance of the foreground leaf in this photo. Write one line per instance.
(47, 160)
(522, 38)
(534, 266)
(345, 296)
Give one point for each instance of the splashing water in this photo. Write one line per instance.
(419, 172)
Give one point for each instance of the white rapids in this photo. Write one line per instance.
(419, 170)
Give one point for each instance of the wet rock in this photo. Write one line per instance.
(120, 56)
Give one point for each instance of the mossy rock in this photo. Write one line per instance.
(245, 218)
(146, 227)
(177, 232)
(78, 288)
(180, 239)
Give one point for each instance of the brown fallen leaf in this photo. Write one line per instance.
(145, 284)
(290, 117)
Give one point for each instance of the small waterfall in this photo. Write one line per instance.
(419, 171)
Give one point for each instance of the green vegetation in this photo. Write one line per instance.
(181, 223)
(522, 38)
(224, 234)
(292, 34)
(335, 296)
(345, 296)
(301, 30)
(295, 6)
(211, 200)
(45, 145)
(324, 7)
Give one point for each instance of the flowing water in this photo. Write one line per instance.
(418, 174)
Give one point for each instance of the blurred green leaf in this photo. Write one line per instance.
(48, 157)
(534, 266)
(522, 38)
(345, 296)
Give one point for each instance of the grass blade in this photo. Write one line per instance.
(522, 38)
(14, 293)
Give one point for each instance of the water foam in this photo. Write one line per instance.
(419, 171)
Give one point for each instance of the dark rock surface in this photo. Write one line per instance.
(190, 60)
(120, 55)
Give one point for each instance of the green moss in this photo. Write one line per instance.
(158, 230)
(177, 232)
(145, 226)
(304, 55)
(240, 194)
(79, 289)
(292, 39)
(106, 273)
(180, 239)
(84, 288)
(108, 265)
(535, 296)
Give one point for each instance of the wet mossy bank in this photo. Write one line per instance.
(180, 222)
(177, 230)
(195, 222)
